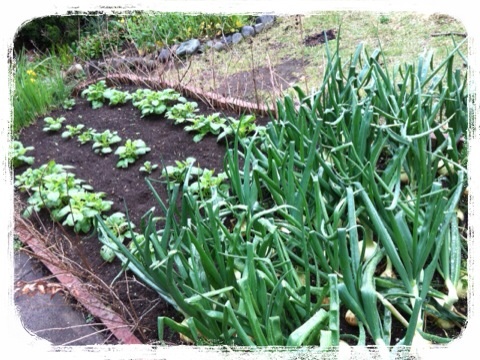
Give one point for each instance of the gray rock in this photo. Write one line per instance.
(164, 55)
(259, 27)
(188, 47)
(236, 38)
(227, 39)
(267, 20)
(247, 31)
(219, 46)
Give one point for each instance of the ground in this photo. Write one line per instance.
(126, 187)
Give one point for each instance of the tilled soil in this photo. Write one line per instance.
(127, 188)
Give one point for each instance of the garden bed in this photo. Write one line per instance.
(127, 188)
(343, 201)
(135, 303)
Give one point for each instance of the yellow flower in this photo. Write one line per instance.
(32, 80)
(31, 72)
(238, 24)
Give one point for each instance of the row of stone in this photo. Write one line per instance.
(194, 46)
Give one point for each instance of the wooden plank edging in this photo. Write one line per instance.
(76, 287)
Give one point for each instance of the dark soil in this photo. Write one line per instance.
(127, 188)
(138, 304)
(320, 38)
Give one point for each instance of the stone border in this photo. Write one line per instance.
(194, 46)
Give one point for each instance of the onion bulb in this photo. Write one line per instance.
(370, 245)
(388, 272)
(462, 287)
(350, 318)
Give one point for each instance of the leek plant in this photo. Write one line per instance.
(316, 208)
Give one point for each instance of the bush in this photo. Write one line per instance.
(44, 33)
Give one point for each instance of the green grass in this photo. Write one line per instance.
(402, 39)
(39, 87)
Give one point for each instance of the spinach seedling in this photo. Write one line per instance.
(86, 136)
(94, 94)
(17, 154)
(68, 104)
(148, 167)
(177, 174)
(102, 142)
(117, 97)
(82, 208)
(156, 102)
(130, 152)
(72, 131)
(206, 181)
(182, 111)
(242, 127)
(203, 125)
(53, 124)
(120, 227)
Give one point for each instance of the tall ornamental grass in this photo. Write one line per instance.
(337, 203)
(37, 88)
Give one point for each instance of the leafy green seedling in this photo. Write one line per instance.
(139, 95)
(130, 152)
(156, 102)
(17, 154)
(120, 227)
(82, 208)
(148, 167)
(242, 127)
(117, 97)
(102, 142)
(94, 94)
(86, 136)
(176, 174)
(68, 104)
(203, 125)
(182, 111)
(72, 131)
(206, 181)
(53, 124)
(49, 186)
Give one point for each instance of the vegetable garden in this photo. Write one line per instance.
(341, 219)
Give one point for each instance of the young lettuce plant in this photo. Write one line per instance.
(203, 125)
(182, 112)
(102, 142)
(49, 186)
(176, 174)
(206, 181)
(120, 227)
(95, 94)
(72, 131)
(82, 208)
(68, 104)
(53, 124)
(86, 136)
(130, 152)
(242, 127)
(117, 97)
(139, 95)
(156, 102)
(148, 167)
(17, 154)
